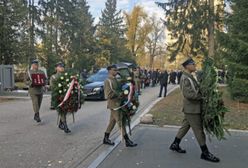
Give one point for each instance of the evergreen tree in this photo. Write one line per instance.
(67, 33)
(110, 33)
(82, 40)
(48, 49)
(193, 22)
(12, 21)
(33, 19)
(234, 47)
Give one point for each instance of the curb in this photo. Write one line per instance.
(230, 130)
(117, 141)
(21, 97)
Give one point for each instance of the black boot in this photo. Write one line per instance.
(129, 143)
(66, 129)
(107, 141)
(175, 146)
(206, 155)
(61, 125)
(37, 117)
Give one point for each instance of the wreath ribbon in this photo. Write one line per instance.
(68, 93)
(130, 96)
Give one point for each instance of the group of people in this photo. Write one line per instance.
(36, 80)
(144, 78)
(36, 90)
(152, 77)
(191, 104)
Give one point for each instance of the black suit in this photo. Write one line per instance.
(163, 79)
(154, 78)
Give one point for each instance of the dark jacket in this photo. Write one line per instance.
(163, 78)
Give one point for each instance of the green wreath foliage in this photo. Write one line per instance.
(76, 98)
(213, 108)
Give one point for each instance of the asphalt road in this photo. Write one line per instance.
(153, 151)
(25, 144)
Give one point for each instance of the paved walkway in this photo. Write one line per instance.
(24, 144)
(153, 152)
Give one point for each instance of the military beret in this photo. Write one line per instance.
(111, 66)
(35, 61)
(60, 64)
(188, 61)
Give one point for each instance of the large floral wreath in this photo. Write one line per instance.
(67, 93)
(213, 107)
(129, 101)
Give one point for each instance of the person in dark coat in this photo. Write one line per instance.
(84, 74)
(154, 77)
(158, 72)
(179, 75)
(173, 75)
(163, 80)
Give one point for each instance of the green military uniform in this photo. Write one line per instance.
(113, 103)
(191, 108)
(35, 92)
(192, 112)
(110, 91)
(53, 78)
(51, 83)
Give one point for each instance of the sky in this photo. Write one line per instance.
(96, 6)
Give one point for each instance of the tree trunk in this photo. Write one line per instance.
(31, 30)
(211, 49)
(56, 30)
(151, 61)
(4, 39)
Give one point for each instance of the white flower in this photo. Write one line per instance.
(67, 80)
(68, 85)
(65, 90)
(126, 92)
(59, 85)
(216, 70)
(60, 91)
(62, 78)
(66, 74)
(134, 107)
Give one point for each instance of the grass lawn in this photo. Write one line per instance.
(168, 111)
(2, 100)
(20, 85)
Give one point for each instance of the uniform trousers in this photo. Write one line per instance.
(36, 101)
(116, 117)
(195, 122)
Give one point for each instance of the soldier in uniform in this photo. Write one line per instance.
(192, 112)
(62, 122)
(136, 76)
(113, 102)
(35, 91)
(163, 79)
